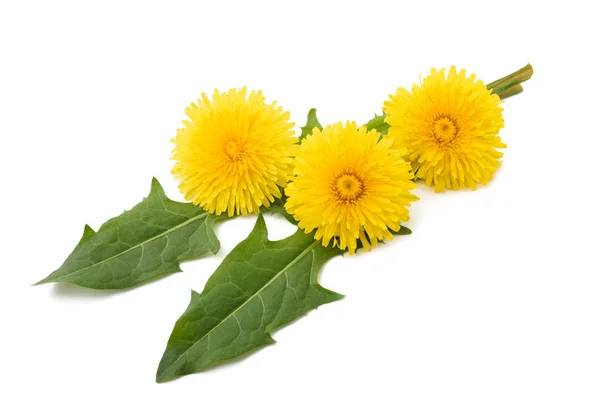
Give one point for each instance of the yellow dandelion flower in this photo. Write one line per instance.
(349, 185)
(233, 152)
(449, 125)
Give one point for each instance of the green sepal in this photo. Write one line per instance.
(139, 245)
(260, 286)
(402, 231)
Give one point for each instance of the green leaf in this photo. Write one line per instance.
(278, 207)
(139, 245)
(311, 123)
(378, 123)
(260, 286)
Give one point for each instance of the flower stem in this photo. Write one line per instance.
(511, 84)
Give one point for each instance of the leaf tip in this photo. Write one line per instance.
(269, 339)
(311, 122)
(161, 377)
(88, 232)
(338, 296)
(260, 227)
(88, 229)
(162, 372)
(43, 281)
(312, 119)
(156, 188)
(195, 296)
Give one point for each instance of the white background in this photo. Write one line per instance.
(496, 295)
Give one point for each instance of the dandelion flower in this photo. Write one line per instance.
(349, 185)
(449, 125)
(234, 152)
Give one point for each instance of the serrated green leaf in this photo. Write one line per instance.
(260, 286)
(278, 207)
(311, 123)
(378, 123)
(139, 245)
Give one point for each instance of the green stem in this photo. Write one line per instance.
(511, 84)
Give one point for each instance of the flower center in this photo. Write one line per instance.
(235, 150)
(349, 187)
(444, 130)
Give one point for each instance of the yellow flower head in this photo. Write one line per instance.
(449, 125)
(233, 152)
(349, 185)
